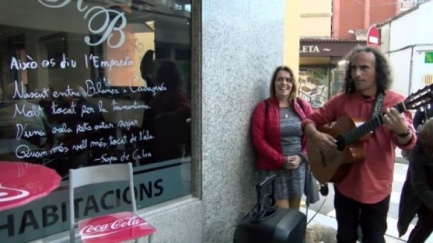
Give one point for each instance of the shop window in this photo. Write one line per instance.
(313, 85)
(95, 82)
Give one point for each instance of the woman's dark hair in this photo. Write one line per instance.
(383, 71)
(425, 137)
(294, 92)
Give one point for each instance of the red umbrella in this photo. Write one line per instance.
(21, 183)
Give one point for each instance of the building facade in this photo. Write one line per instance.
(411, 56)
(171, 83)
(330, 29)
(320, 52)
(352, 16)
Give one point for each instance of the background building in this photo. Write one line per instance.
(320, 52)
(411, 56)
(352, 16)
(330, 29)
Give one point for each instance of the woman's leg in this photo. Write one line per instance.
(283, 203)
(295, 203)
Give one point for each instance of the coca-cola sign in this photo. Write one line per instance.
(114, 226)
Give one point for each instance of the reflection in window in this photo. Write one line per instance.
(98, 83)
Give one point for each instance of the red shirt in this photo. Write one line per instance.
(266, 134)
(371, 181)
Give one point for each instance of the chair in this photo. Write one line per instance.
(107, 228)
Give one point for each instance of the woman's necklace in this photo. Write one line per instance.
(285, 110)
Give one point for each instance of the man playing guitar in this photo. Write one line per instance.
(362, 197)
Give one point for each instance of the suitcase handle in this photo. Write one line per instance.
(264, 210)
(266, 181)
(263, 185)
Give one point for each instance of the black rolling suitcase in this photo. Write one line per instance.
(266, 223)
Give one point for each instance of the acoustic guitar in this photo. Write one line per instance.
(350, 135)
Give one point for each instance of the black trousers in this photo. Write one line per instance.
(423, 227)
(370, 217)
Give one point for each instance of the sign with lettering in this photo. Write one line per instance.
(153, 184)
(312, 49)
(373, 36)
(115, 227)
(91, 82)
(328, 48)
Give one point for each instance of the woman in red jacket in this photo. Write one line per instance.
(278, 138)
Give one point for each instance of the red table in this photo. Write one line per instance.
(21, 183)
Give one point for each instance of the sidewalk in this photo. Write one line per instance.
(326, 215)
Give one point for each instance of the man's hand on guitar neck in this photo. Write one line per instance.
(324, 142)
(395, 122)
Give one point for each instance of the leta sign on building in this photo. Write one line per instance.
(326, 48)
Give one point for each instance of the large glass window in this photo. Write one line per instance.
(90, 82)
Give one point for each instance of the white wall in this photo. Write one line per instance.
(420, 68)
(410, 35)
(413, 28)
(400, 64)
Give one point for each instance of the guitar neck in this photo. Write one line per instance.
(369, 126)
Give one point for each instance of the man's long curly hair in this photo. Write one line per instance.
(383, 70)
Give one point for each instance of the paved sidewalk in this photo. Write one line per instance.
(327, 212)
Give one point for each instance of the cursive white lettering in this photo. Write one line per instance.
(117, 141)
(20, 93)
(127, 124)
(140, 154)
(112, 226)
(63, 129)
(36, 111)
(22, 132)
(81, 146)
(100, 143)
(103, 126)
(133, 106)
(83, 128)
(93, 89)
(64, 111)
(23, 152)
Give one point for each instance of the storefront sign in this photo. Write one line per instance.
(311, 49)
(153, 184)
(325, 49)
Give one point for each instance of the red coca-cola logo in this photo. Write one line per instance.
(100, 230)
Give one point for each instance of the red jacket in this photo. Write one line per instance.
(266, 133)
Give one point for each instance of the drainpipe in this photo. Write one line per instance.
(367, 14)
(410, 71)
